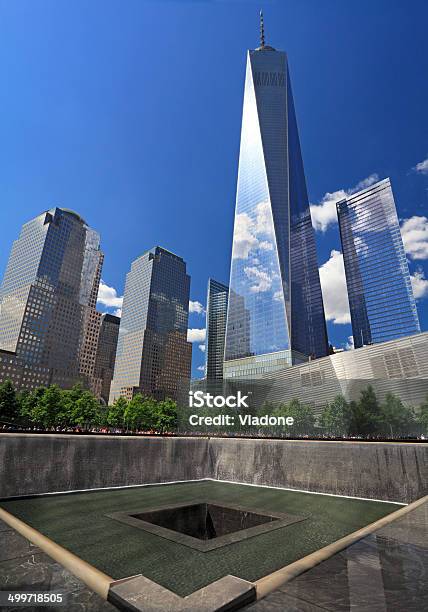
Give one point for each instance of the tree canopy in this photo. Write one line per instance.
(52, 407)
(55, 408)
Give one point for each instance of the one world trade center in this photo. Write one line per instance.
(275, 313)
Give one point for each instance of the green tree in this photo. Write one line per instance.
(29, 403)
(85, 410)
(9, 403)
(47, 409)
(336, 417)
(141, 413)
(102, 415)
(23, 415)
(422, 418)
(69, 400)
(396, 418)
(304, 418)
(116, 413)
(366, 414)
(269, 408)
(166, 413)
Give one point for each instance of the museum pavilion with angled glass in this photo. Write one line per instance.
(275, 313)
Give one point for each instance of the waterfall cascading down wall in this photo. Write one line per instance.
(43, 463)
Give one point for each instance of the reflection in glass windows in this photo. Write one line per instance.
(217, 300)
(275, 301)
(48, 292)
(377, 274)
(153, 356)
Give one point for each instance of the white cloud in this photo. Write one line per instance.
(195, 306)
(244, 239)
(422, 167)
(367, 182)
(202, 347)
(324, 213)
(361, 246)
(201, 368)
(419, 284)
(349, 346)
(265, 245)
(261, 279)
(250, 233)
(118, 312)
(196, 335)
(415, 237)
(107, 296)
(264, 223)
(333, 284)
(278, 296)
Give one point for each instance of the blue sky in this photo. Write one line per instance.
(129, 112)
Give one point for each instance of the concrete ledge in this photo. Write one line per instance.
(139, 594)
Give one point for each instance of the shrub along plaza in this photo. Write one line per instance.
(58, 409)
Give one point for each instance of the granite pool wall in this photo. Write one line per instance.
(43, 463)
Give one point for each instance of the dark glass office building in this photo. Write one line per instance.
(48, 296)
(377, 274)
(105, 355)
(153, 356)
(276, 313)
(217, 299)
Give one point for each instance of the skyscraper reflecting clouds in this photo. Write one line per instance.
(276, 313)
(217, 300)
(153, 356)
(377, 274)
(48, 295)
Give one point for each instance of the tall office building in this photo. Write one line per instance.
(377, 274)
(105, 355)
(276, 313)
(153, 356)
(91, 318)
(217, 299)
(47, 297)
(88, 351)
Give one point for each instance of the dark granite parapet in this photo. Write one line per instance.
(387, 471)
(34, 464)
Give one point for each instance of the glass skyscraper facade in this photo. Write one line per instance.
(217, 300)
(377, 274)
(48, 296)
(153, 356)
(105, 355)
(275, 313)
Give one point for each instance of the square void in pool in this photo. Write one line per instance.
(205, 525)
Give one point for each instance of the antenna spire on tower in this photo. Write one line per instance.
(262, 31)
